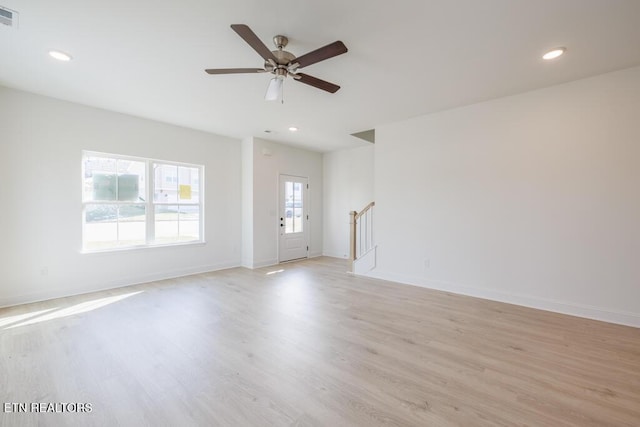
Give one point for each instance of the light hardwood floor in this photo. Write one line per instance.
(312, 346)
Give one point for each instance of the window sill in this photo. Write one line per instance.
(142, 247)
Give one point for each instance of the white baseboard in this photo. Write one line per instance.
(275, 261)
(579, 310)
(335, 255)
(265, 263)
(112, 284)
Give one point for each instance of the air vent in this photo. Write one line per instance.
(367, 135)
(8, 17)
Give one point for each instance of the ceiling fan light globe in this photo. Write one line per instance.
(274, 90)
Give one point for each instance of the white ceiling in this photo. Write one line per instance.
(406, 58)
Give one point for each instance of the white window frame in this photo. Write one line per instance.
(149, 202)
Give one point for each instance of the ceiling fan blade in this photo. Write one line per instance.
(326, 52)
(316, 82)
(235, 70)
(252, 40)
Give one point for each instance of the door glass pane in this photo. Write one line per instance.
(293, 209)
(297, 207)
(297, 220)
(288, 207)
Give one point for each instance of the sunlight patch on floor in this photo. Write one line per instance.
(54, 313)
(18, 317)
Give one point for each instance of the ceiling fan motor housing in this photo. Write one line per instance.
(280, 73)
(283, 58)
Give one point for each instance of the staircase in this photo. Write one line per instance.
(361, 242)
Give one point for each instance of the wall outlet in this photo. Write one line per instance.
(44, 271)
(426, 263)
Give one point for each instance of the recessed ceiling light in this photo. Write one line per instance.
(293, 129)
(554, 53)
(60, 56)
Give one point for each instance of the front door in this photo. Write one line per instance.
(294, 224)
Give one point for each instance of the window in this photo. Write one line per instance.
(133, 202)
(176, 203)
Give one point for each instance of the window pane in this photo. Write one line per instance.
(165, 183)
(111, 226)
(108, 179)
(131, 181)
(188, 183)
(99, 178)
(177, 223)
(131, 225)
(166, 223)
(100, 227)
(189, 223)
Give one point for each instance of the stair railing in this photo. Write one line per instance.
(361, 232)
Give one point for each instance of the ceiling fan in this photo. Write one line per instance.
(281, 63)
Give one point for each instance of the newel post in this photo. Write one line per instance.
(352, 235)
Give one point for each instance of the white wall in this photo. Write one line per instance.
(532, 199)
(247, 202)
(282, 159)
(41, 145)
(348, 186)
